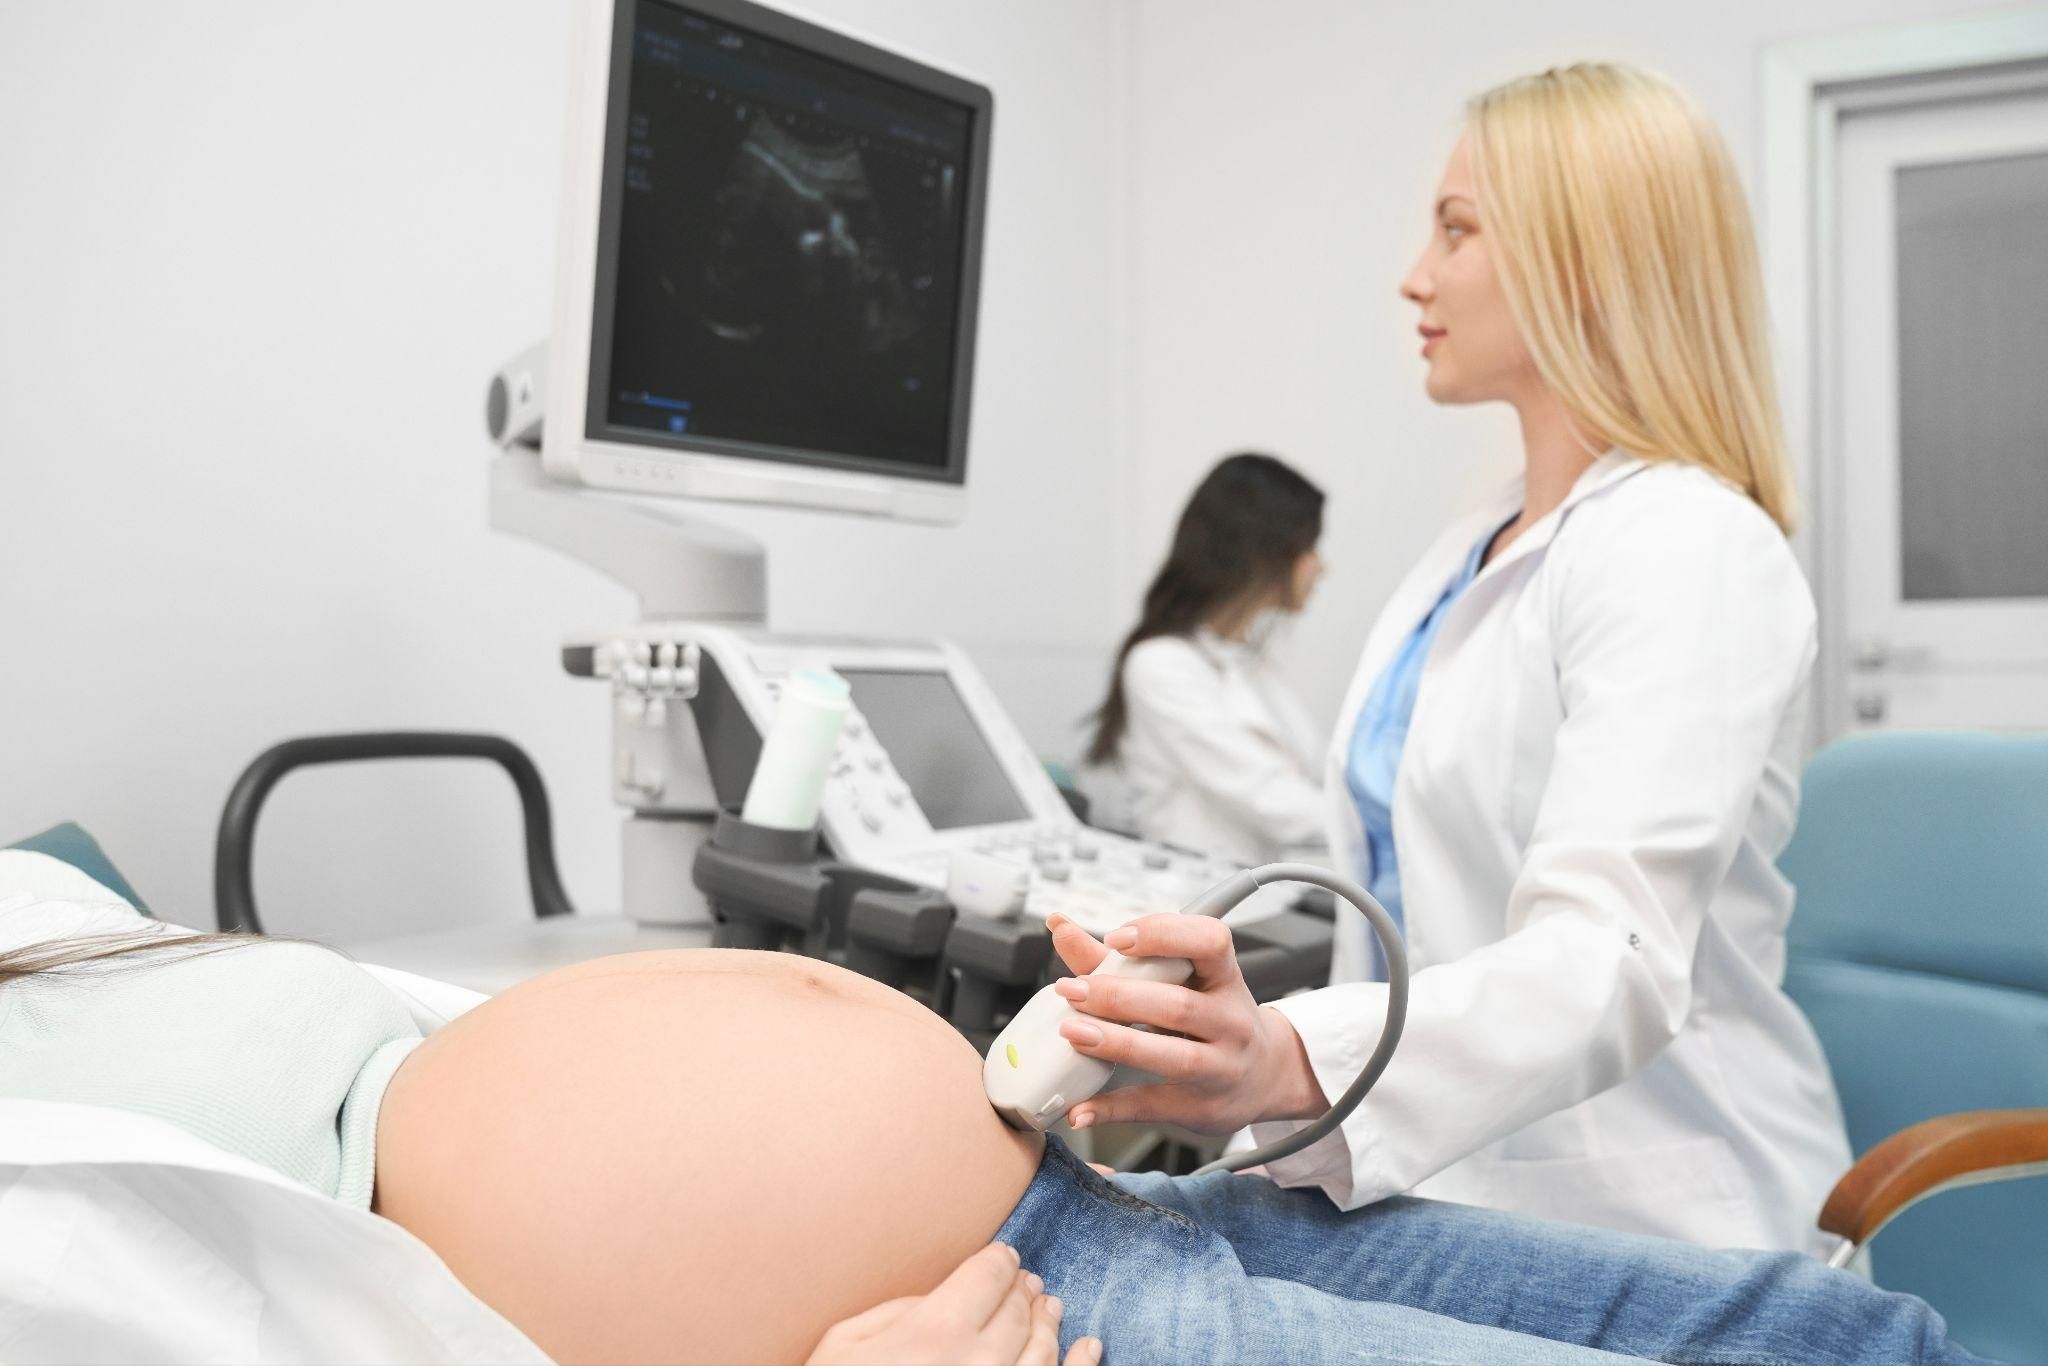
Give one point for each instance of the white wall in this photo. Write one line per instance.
(256, 263)
(1284, 161)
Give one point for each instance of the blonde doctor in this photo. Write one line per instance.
(1571, 753)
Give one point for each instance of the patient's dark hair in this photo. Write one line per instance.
(1244, 529)
(136, 946)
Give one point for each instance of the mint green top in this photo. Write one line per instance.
(277, 1052)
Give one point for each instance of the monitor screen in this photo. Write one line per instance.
(937, 748)
(787, 254)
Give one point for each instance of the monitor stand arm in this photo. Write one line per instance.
(679, 567)
(682, 569)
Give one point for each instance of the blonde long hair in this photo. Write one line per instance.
(1627, 255)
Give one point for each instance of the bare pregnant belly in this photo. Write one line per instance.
(706, 1155)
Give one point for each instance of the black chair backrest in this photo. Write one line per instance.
(234, 851)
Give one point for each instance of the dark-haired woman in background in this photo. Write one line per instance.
(1210, 748)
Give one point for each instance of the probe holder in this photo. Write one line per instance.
(767, 888)
(771, 889)
(993, 967)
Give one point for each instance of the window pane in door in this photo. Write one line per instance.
(1973, 378)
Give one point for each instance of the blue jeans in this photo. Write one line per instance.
(1235, 1269)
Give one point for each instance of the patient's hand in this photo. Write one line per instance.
(989, 1312)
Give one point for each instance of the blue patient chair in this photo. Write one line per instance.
(1919, 949)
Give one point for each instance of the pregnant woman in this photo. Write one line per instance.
(729, 1156)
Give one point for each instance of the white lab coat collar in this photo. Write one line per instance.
(1222, 650)
(1605, 472)
(1425, 584)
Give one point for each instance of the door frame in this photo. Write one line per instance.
(1809, 86)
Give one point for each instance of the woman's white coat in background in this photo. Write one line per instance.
(1600, 773)
(1219, 756)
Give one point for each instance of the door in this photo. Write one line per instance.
(1937, 491)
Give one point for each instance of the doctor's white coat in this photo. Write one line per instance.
(1600, 773)
(1219, 755)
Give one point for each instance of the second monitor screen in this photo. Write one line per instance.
(937, 748)
(789, 241)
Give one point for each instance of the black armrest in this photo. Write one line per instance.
(235, 849)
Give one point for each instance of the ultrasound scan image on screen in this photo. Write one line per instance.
(937, 748)
(789, 249)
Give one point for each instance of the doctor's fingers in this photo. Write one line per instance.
(1202, 940)
(1189, 1062)
(1077, 948)
(1157, 1103)
(1132, 1000)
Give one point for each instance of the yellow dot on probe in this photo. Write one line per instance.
(1010, 1052)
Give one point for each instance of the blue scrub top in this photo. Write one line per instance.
(1382, 731)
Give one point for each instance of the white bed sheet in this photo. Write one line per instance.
(128, 1239)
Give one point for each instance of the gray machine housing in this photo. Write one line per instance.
(692, 689)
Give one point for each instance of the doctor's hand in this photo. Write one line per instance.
(1226, 1061)
(989, 1312)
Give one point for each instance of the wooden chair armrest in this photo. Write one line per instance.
(1953, 1150)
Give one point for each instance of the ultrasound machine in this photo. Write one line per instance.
(767, 281)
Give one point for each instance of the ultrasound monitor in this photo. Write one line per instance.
(770, 263)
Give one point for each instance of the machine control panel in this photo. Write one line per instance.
(932, 782)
